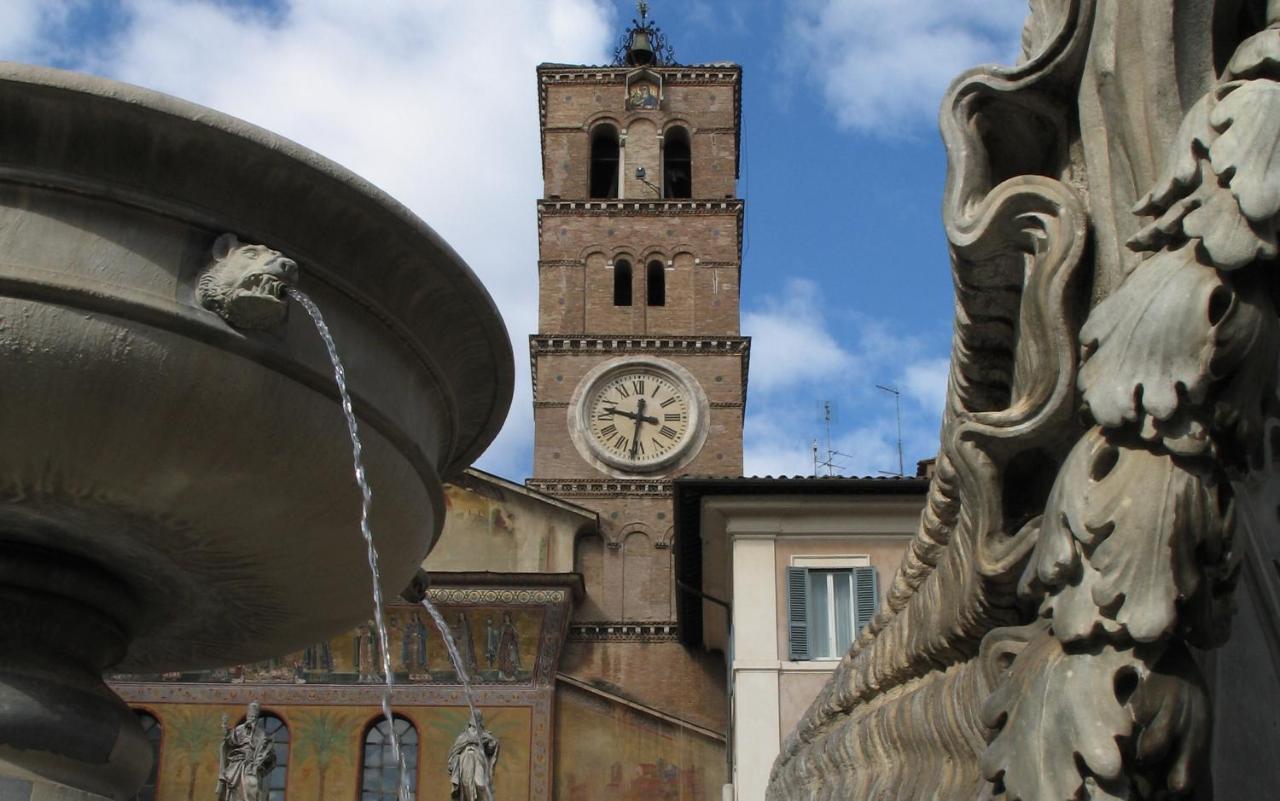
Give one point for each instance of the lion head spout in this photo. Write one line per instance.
(245, 284)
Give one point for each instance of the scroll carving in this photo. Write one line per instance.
(1079, 536)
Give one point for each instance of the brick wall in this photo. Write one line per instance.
(705, 109)
(698, 249)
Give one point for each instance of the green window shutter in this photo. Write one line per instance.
(798, 613)
(867, 597)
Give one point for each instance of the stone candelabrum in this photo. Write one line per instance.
(1108, 468)
(176, 488)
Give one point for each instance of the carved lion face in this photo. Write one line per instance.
(245, 284)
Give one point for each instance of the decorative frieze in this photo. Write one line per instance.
(602, 487)
(624, 632)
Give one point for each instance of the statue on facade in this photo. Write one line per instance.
(245, 759)
(471, 762)
(1111, 208)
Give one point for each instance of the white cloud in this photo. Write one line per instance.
(926, 383)
(883, 65)
(24, 22)
(805, 352)
(790, 343)
(434, 101)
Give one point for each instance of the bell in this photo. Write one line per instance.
(640, 53)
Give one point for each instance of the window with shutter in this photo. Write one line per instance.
(798, 612)
(867, 597)
(827, 609)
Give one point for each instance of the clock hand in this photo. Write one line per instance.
(639, 418)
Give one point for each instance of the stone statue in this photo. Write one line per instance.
(471, 762)
(1111, 208)
(244, 284)
(245, 759)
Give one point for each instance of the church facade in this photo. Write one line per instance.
(560, 591)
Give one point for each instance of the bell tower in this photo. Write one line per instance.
(639, 368)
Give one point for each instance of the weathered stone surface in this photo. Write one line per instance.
(1111, 211)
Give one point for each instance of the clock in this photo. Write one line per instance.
(638, 415)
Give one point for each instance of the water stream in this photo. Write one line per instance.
(452, 647)
(366, 500)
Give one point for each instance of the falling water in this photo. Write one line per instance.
(366, 499)
(452, 647)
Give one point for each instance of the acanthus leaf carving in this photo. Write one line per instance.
(1181, 174)
(1052, 706)
(1256, 57)
(1171, 330)
(1120, 543)
(1171, 709)
(1246, 154)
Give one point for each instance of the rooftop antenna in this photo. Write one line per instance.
(897, 407)
(828, 413)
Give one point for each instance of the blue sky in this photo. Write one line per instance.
(845, 276)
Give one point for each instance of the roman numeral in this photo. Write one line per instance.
(608, 431)
(668, 432)
(638, 386)
(621, 444)
(623, 391)
(640, 447)
(657, 446)
(672, 418)
(607, 414)
(667, 402)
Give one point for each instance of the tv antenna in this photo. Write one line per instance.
(897, 408)
(828, 414)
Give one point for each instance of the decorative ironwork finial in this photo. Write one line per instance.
(643, 44)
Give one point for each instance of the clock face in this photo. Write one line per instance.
(639, 417)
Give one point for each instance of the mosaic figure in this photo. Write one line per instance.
(508, 650)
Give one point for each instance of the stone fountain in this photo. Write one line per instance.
(175, 476)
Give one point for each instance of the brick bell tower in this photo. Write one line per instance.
(639, 370)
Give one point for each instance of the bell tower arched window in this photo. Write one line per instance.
(622, 283)
(677, 164)
(656, 283)
(604, 162)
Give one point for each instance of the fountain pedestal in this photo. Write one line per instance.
(62, 622)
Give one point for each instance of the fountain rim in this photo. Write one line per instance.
(82, 98)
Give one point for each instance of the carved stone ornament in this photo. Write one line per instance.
(244, 284)
(1111, 208)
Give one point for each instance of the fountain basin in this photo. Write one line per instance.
(203, 471)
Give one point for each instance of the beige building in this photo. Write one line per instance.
(780, 575)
